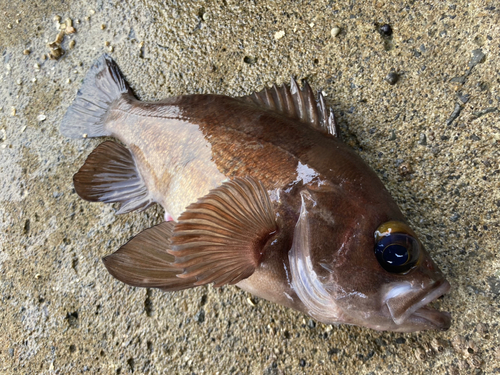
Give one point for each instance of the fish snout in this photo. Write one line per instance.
(409, 306)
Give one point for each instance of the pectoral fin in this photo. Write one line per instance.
(145, 262)
(221, 237)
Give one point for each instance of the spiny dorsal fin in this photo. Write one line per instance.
(299, 104)
(221, 237)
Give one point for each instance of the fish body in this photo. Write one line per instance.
(261, 193)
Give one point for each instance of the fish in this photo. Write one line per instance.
(260, 192)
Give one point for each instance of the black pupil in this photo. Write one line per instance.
(396, 255)
(397, 252)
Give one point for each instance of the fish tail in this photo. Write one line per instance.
(103, 86)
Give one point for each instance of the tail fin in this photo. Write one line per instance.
(102, 87)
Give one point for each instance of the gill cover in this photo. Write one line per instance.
(305, 280)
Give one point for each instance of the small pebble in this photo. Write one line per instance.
(70, 30)
(26, 52)
(420, 354)
(36, 66)
(103, 26)
(200, 316)
(59, 38)
(335, 31)
(422, 139)
(41, 118)
(386, 30)
(19, 81)
(13, 111)
(72, 44)
(110, 48)
(478, 57)
(302, 363)
(279, 34)
(85, 135)
(392, 78)
(438, 345)
(107, 43)
(464, 98)
(405, 169)
(475, 361)
(57, 18)
(311, 323)
(56, 53)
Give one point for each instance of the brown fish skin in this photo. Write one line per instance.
(326, 202)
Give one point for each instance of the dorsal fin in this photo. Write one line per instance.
(299, 104)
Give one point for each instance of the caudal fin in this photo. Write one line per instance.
(103, 86)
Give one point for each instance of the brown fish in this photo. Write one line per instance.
(260, 192)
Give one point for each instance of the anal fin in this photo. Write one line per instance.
(110, 175)
(145, 262)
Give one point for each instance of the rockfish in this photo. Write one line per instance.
(258, 191)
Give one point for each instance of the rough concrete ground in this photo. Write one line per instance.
(433, 137)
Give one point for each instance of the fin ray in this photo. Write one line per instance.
(103, 86)
(297, 103)
(226, 245)
(110, 175)
(145, 262)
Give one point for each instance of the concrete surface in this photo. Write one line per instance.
(433, 136)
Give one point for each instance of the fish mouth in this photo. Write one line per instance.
(421, 313)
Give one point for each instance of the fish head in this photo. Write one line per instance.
(364, 266)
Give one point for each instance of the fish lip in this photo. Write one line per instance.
(422, 312)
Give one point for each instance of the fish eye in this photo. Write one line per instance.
(396, 248)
